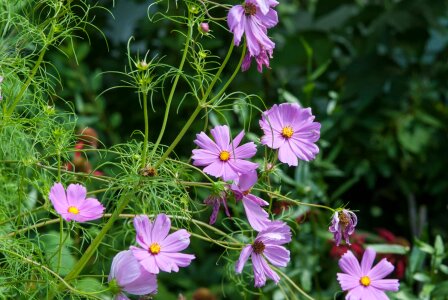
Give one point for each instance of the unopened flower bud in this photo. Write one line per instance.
(204, 28)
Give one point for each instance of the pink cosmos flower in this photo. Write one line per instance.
(291, 129)
(363, 281)
(224, 158)
(127, 275)
(74, 205)
(249, 19)
(258, 218)
(160, 250)
(343, 225)
(267, 246)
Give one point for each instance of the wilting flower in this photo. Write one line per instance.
(265, 5)
(363, 281)
(127, 275)
(258, 218)
(74, 205)
(160, 250)
(262, 59)
(267, 246)
(290, 129)
(223, 158)
(248, 19)
(343, 225)
(217, 196)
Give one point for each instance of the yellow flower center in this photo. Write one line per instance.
(224, 155)
(154, 248)
(73, 210)
(287, 132)
(365, 280)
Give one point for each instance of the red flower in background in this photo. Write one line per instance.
(357, 247)
(80, 163)
(399, 261)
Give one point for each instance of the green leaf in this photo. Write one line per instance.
(440, 291)
(424, 247)
(421, 277)
(321, 70)
(389, 248)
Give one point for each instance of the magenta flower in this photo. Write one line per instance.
(365, 282)
(74, 205)
(258, 218)
(160, 250)
(249, 19)
(223, 158)
(267, 246)
(290, 129)
(262, 59)
(127, 275)
(343, 225)
(265, 5)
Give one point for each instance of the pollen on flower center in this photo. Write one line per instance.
(249, 9)
(365, 280)
(224, 155)
(154, 248)
(258, 247)
(343, 219)
(287, 132)
(73, 210)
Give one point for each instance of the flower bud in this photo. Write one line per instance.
(204, 28)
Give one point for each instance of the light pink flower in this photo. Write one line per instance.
(160, 250)
(290, 129)
(73, 205)
(224, 158)
(364, 282)
(130, 276)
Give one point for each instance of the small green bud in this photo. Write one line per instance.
(194, 9)
(202, 54)
(142, 65)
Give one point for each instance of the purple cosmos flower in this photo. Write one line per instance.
(126, 274)
(217, 196)
(363, 281)
(343, 225)
(291, 129)
(258, 218)
(267, 247)
(224, 158)
(160, 249)
(74, 205)
(262, 59)
(249, 19)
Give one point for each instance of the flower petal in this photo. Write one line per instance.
(143, 228)
(76, 194)
(367, 260)
(221, 134)
(258, 218)
(203, 141)
(58, 198)
(277, 255)
(244, 256)
(177, 241)
(160, 228)
(386, 284)
(259, 275)
(349, 264)
(146, 259)
(381, 270)
(287, 155)
(146, 283)
(347, 281)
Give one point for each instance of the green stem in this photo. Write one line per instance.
(145, 142)
(179, 136)
(33, 73)
(122, 203)
(293, 283)
(173, 89)
(61, 231)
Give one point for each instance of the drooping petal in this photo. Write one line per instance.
(268, 271)
(160, 228)
(176, 241)
(278, 233)
(276, 255)
(381, 270)
(235, 20)
(246, 181)
(244, 256)
(349, 264)
(259, 274)
(367, 260)
(76, 194)
(258, 218)
(268, 18)
(143, 228)
(58, 198)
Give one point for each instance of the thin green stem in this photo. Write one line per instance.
(179, 136)
(61, 231)
(122, 203)
(33, 73)
(293, 283)
(145, 141)
(173, 89)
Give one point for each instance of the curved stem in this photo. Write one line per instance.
(173, 89)
(145, 142)
(293, 283)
